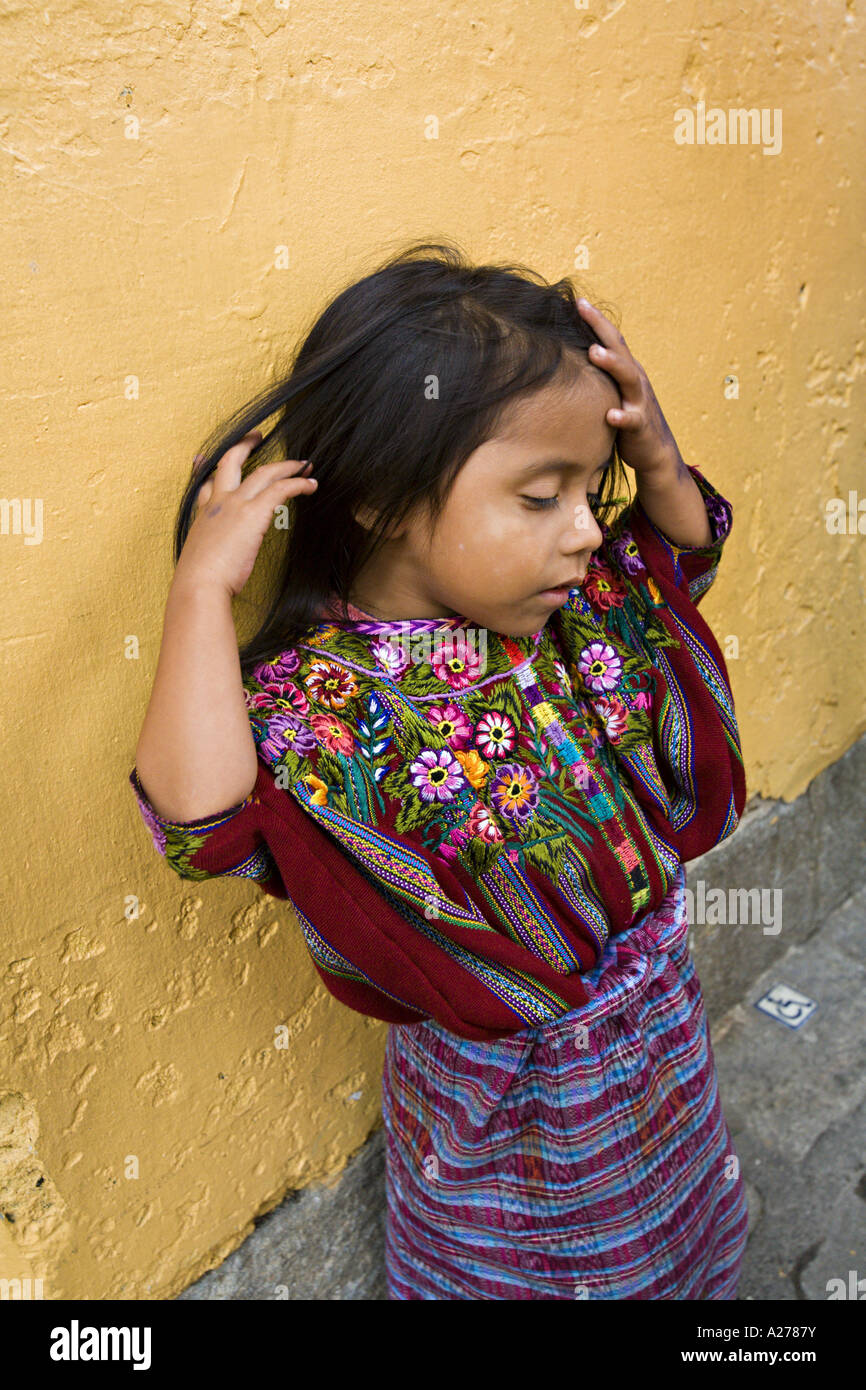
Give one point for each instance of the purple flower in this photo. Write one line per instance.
(600, 667)
(720, 513)
(625, 552)
(284, 665)
(514, 791)
(392, 657)
(437, 774)
(285, 733)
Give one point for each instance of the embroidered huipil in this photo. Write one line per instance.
(461, 818)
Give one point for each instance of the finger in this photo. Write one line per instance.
(227, 474)
(281, 491)
(269, 474)
(202, 497)
(625, 418)
(601, 324)
(621, 366)
(283, 488)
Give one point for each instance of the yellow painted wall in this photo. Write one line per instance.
(154, 160)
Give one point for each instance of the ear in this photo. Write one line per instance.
(365, 518)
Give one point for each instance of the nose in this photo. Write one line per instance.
(584, 535)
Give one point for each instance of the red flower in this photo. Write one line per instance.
(330, 684)
(602, 587)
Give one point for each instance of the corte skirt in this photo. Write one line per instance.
(587, 1158)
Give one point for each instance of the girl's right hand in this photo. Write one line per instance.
(231, 517)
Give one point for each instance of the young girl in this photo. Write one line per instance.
(477, 734)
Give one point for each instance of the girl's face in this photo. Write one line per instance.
(516, 521)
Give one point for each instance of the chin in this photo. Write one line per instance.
(526, 630)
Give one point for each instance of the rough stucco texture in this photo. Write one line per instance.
(154, 161)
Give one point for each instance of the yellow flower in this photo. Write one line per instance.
(474, 766)
(320, 794)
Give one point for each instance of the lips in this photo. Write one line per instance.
(566, 584)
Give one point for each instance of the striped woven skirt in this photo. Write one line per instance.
(586, 1158)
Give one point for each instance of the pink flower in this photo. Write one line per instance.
(495, 734)
(448, 848)
(612, 713)
(279, 690)
(481, 823)
(459, 664)
(452, 723)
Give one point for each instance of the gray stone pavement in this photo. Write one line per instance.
(795, 1102)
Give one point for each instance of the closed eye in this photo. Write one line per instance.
(541, 504)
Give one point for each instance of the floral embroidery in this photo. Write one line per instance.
(563, 686)
(460, 668)
(272, 673)
(474, 766)
(565, 756)
(437, 775)
(495, 735)
(481, 823)
(626, 554)
(332, 733)
(612, 715)
(330, 684)
(515, 791)
(602, 586)
(452, 724)
(424, 739)
(319, 788)
(284, 732)
(392, 661)
(600, 666)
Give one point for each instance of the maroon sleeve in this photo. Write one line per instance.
(229, 843)
(691, 569)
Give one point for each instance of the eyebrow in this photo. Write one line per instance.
(557, 465)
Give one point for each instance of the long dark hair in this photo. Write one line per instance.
(403, 375)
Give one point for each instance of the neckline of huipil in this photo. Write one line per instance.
(464, 655)
(367, 625)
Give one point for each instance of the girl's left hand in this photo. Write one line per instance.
(644, 440)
